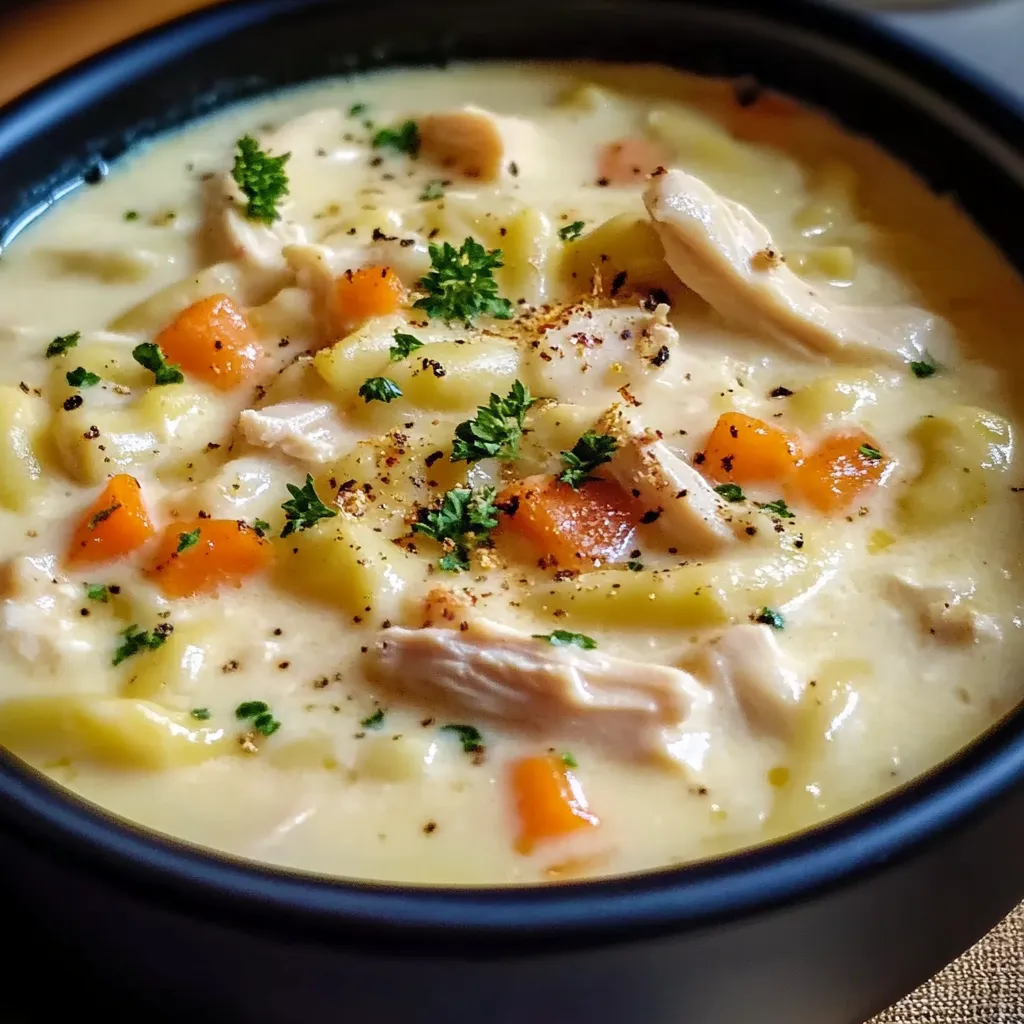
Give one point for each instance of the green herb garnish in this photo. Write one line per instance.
(569, 761)
(60, 345)
(379, 389)
(461, 285)
(374, 721)
(131, 214)
(769, 617)
(188, 540)
(571, 231)
(136, 640)
(469, 736)
(356, 109)
(924, 368)
(200, 714)
(433, 189)
(563, 638)
(495, 431)
(80, 377)
(403, 139)
(151, 356)
(97, 592)
(634, 566)
(261, 178)
(777, 508)
(304, 509)
(261, 526)
(589, 452)
(869, 452)
(103, 515)
(731, 492)
(258, 712)
(403, 346)
(462, 522)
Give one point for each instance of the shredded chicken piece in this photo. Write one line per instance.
(479, 144)
(309, 431)
(944, 611)
(638, 711)
(724, 253)
(746, 661)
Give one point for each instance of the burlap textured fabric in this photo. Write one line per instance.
(985, 986)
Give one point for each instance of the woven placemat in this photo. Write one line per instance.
(986, 985)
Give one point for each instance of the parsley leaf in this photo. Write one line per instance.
(259, 713)
(305, 508)
(924, 368)
(131, 214)
(462, 522)
(495, 432)
(188, 540)
(262, 179)
(589, 452)
(80, 377)
(869, 452)
(151, 357)
(403, 139)
(461, 283)
(379, 389)
(136, 640)
(200, 714)
(563, 638)
(769, 617)
(569, 761)
(634, 565)
(103, 515)
(777, 508)
(404, 345)
(60, 345)
(731, 492)
(356, 109)
(261, 526)
(97, 592)
(374, 721)
(469, 736)
(251, 708)
(571, 231)
(434, 189)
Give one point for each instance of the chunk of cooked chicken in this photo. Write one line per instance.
(690, 512)
(309, 431)
(746, 661)
(725, 254)
(479, 144)
(944, 611)
(635, 710)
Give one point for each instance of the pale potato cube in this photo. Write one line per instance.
(694, 136)
(313, 752)
(389, 757)
(23, 420)
(172, 670)
(837, 396)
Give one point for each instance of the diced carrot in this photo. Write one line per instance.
(362, 294)
(213, 341)
(837, 472)
(225, 552)
(629, 161)
(114, 524)
(549, 801)
(596, 523)
(745, 450)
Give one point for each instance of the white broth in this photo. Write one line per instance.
(734, 548)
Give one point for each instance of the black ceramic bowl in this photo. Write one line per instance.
(826, 928)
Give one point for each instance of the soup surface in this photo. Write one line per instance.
(503, 474)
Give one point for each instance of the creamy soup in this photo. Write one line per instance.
(505, 474)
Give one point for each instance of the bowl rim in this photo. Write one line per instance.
(482, 920)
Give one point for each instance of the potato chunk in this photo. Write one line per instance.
(23, 419)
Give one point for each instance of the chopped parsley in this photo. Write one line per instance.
(462, 522)
(495, 431)
(60, 345)
(374, 721)
(258, 713)
(200, 714)
(434, 189)
(379, 389)
(569, 761)
(131, 214)
(469, 736)
(869, 452)
(151, 357)
(633, 565)
(403, 346)
(80, 377)
(731, 492)
(563, 638)
(461, 285)
(188, 540)
(305, 508)
(103, 515)
(357, 109)
(769, 617)
(261, 526)
(261, 178)
(924, 368)
(777, 508)
(97, 592)
(571, 231)
(136, 640)
(589, 452)
(403, 139)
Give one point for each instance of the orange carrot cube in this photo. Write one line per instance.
(115, 524)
